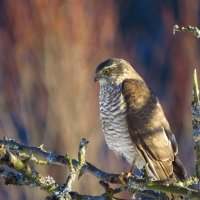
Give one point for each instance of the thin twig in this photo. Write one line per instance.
(190, 29)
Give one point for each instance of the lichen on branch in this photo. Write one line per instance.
(196, 121)
(19, 176)
(190, 29)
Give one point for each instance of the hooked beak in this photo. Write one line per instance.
(97, 77)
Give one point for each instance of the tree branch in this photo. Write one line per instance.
(190, 29)
(24, 175)
(63, 191)
(196, 121)
(76, 167)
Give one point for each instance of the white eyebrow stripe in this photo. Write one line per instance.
(111, 66)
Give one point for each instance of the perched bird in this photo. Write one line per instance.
(133, 120)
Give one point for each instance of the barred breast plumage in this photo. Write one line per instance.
(115, 128)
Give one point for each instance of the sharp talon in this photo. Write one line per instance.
(123, 177)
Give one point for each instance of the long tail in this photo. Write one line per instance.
(179, 169)
(181, 173)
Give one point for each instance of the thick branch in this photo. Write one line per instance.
(24, 175)
(40, 156)
(36, 154)
(134, 183)
(162, 186)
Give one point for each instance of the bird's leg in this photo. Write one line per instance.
(125, 175)
(146, 171)
(132, 166)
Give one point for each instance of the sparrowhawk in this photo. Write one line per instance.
(133, 120)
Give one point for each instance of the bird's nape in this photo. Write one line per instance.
(115, 71)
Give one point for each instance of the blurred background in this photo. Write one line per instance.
(49, 50)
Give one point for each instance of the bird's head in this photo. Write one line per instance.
(114, 71)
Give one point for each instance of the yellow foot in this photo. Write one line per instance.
(146, 171)
(123, 177)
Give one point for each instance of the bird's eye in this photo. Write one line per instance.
(106, 71)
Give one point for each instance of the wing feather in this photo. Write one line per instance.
(148, 127)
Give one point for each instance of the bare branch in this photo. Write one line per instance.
(196, 121)
(40, 156)
(34, 179)
(162, 186)
(16, 178)
(190, 29)
(63, 191)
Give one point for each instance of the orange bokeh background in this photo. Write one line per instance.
(48, 54)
